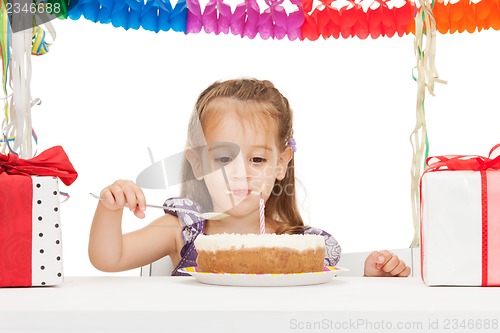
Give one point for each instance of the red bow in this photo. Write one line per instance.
(51, 162)
(464, 162)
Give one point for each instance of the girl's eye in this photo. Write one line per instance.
(258, 160)
(223, 160)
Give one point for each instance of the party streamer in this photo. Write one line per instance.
(5, 51)
(427, 76)
(17, 135)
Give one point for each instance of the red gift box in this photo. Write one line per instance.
(29, 211)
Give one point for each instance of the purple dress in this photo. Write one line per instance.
(193, 226)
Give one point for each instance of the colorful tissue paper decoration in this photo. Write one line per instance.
(460, 220)
(352, 20)
(293, 19)
(30, 227)
(247, 20)
(155, 15)
(467, 16)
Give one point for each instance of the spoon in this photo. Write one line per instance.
(205, 216)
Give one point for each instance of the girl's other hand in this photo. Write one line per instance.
(124, 193)
(385, 263)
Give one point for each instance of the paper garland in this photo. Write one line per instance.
(352, 20)
(467, 16)
(293, 19)
(247, 20)
(156, 15)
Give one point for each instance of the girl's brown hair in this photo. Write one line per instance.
(282, 203)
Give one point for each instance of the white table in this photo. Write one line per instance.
(182, 304)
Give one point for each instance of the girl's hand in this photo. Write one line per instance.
(385, 263)
(124, 193)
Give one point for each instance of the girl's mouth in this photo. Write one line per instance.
(242, 192)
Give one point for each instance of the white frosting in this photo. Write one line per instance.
(218, 242)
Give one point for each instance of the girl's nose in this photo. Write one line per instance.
(237, 169)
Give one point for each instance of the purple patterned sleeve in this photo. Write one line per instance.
(332, 247)
(192, 227)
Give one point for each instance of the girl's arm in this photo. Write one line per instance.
(112, 251)
(385, 263)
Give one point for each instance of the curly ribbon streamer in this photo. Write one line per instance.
(17, 122)
(424, 20)
(39, 44)
(425, 25)
(154, 15)
(17, 48)
(4, 44)
(5, 34)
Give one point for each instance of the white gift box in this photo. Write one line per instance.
(460, 222)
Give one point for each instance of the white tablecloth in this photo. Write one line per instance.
(182, 304)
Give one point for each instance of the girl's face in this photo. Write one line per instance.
(242, 160)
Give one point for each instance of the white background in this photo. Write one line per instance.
(109, 94)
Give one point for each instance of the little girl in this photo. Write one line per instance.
(240, 148)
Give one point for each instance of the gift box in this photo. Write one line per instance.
(460, 220)
(30, 226)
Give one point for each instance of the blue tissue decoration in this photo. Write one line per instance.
(151, 15)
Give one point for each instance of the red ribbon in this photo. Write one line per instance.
(464, 162)
(16, 199)
(51, 162)
(484, 228)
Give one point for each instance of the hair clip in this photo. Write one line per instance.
(291, 143)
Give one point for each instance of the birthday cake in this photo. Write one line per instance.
(260, 254)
